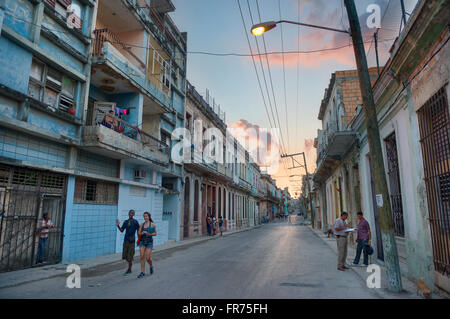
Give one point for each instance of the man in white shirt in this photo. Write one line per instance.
(341, 239)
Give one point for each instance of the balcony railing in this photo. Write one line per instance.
(104, 35)
(122, 127)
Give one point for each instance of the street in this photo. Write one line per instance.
(277, 260)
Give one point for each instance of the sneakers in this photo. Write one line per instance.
(127, 272)
(151, 270)
(355, 264)
(141, 275)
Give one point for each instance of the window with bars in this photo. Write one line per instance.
(51, 87)
(95, 192)
(434, 126)
(394, 183)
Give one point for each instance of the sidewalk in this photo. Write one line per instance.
(409, 288)
(19, 277)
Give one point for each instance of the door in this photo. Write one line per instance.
(54, 205)
(25, 195)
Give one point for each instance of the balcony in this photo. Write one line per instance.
(333, 145)
(125, 141)
(116, 68)
(202, 163)
(162, 6)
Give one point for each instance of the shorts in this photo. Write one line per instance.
(128, 251)
(146, 245)
(221, 228)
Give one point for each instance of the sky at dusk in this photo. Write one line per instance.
(216, 26)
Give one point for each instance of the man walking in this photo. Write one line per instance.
(341, 240)
(363, 239)
(130, 226)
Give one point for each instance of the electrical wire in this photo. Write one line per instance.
(284, 75)
(271, 80)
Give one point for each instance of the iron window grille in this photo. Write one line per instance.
(434, 126)
(95, 192)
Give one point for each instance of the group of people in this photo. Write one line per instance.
(363, 240)
(146, 231)
(211, 224)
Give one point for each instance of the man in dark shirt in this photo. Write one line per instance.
(363, 240)
(130, 226)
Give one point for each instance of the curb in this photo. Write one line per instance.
(88, 267)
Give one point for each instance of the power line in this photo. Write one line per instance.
(254, 63)
(271, 79)
(284, 75)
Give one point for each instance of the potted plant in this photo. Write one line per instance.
(73, 110)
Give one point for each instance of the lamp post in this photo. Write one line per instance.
(394, 282)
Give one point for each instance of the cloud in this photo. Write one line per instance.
(261, 143)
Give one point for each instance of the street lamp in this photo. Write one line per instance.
(260, 28)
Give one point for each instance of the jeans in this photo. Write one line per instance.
(42, 242)
(362, 244)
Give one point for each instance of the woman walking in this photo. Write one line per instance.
(146, 232)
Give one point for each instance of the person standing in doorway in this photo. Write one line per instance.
(214, 224)
(208, 224)
(341, 239)
(130, 226)
(43, 231)
(363, 239)
(221, 225)
(147, 230)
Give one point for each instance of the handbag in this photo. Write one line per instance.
(139, 240)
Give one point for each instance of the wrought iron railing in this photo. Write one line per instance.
(122, 127)
(104, 35)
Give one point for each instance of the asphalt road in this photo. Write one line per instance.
(277, 260)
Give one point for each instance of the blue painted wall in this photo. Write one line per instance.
(20, 146)
(92, 231)
(15, 65)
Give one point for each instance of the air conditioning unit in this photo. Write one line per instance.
(139, 173)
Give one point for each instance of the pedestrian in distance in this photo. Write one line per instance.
(363, 239)
(214, 225)
(208, 224)
(43, 230)
(341, 239)
(130, 226)
(221, 225)
(146, 232)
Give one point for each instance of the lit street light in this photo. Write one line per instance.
(260, 28)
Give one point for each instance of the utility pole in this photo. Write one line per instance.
(294, 162)
(393, 275)
(402, 3)
(375, 35)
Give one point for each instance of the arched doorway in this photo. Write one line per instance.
(196, 199)
(186, 208)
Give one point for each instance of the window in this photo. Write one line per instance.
(51, 87)
(95, 192)
(68, 10)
